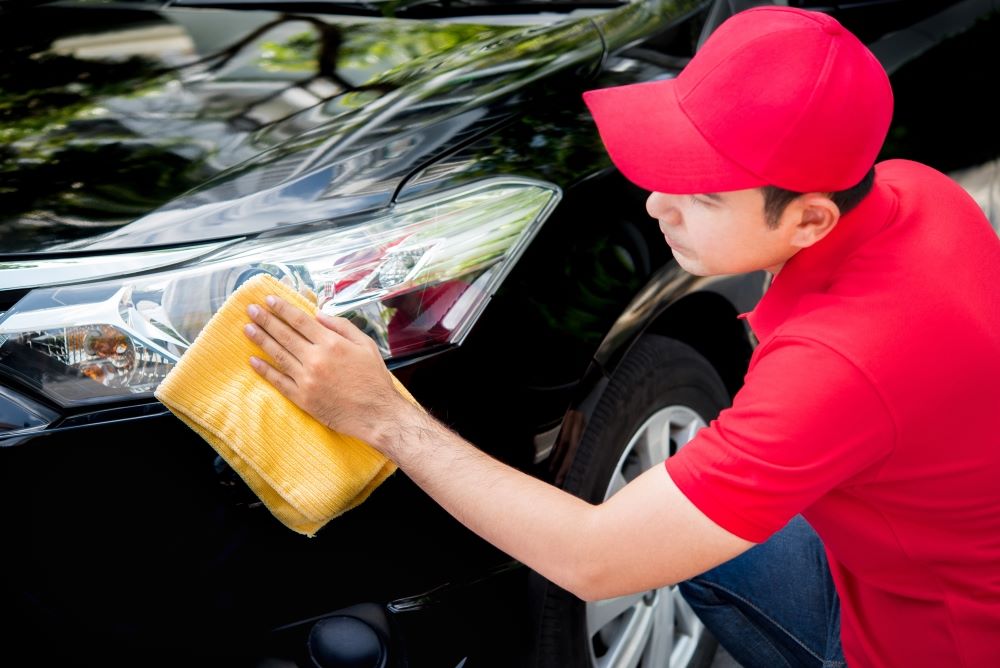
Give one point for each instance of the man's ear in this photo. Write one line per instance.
(814, 215)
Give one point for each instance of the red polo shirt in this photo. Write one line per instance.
(872, 407)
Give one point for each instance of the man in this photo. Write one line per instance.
(869, 406)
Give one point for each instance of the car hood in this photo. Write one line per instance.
(125, 128)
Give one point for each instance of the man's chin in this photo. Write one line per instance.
(689, 265)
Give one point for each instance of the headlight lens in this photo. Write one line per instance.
(412, 279)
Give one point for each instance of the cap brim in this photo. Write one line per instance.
(654, 144)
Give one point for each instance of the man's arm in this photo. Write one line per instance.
(646, 536)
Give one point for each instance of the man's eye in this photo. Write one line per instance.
(703, 200)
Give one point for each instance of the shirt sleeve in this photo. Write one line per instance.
(807, 420)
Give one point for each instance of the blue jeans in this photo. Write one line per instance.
(775, 605)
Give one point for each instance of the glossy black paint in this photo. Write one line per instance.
(128, 539)
(154, 538)
(273, 123)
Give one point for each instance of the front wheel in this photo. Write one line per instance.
(662, 393)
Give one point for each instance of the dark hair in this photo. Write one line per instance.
(776, 199)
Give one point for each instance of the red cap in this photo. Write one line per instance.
(776, 96)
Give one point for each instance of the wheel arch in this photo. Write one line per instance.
(708, 322)
(700, 312)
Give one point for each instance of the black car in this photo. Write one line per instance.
(427, 168)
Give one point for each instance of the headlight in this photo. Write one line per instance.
(412, 279)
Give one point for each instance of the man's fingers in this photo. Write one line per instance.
(286, 336)
(285, 361)
(284, 384)
(342, 326)
(295, 317)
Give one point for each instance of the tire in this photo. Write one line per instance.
(660, 382)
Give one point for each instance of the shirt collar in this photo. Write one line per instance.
(811, 269)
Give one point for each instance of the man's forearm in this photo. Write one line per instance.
(647, 535)
(534, 522)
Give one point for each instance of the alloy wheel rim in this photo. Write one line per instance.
(656, 628)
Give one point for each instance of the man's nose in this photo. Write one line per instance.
(663, 207)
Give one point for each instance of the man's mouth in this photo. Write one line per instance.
(670, 242)
(673, 244)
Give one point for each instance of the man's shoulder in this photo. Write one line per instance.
(922, 187)
(936, 225)
(902, 170)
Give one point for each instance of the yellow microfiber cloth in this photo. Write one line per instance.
(305, 473)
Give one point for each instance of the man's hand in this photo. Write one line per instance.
(327, 367)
